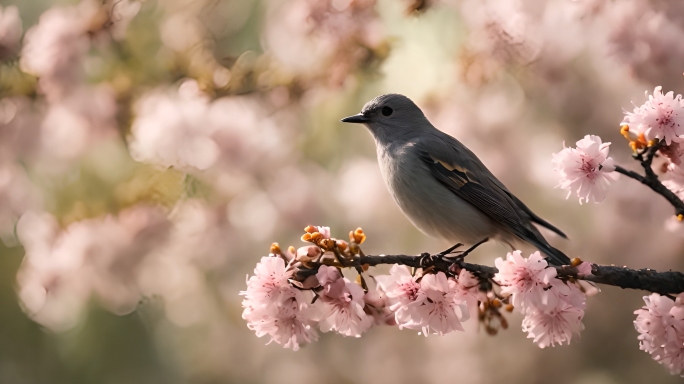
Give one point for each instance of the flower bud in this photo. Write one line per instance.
(327, 244)
(310, 229)
(357, 236)
(308, 253)
(316, 236)
(275, 249)
(342, 245)
(306, 237)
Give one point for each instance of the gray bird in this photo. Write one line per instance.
(441, 186)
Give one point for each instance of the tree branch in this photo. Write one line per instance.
(651, 180)
(645, 279)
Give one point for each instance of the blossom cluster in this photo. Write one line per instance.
(287, 308)
(588, 171)
(660, 324)
(293, 291)
(553, 308)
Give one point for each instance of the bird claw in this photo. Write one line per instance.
(450, 250)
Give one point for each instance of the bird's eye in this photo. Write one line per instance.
(386, 111)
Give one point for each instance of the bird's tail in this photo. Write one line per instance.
(553, 255)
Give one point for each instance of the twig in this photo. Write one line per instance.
(651, 180)
(644, 279)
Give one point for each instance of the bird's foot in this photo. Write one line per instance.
(450, 250)
(465, 253)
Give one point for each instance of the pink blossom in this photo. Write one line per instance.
(524, 278)
(556, 325)
(289, 321)
(343, 308)
(468, 288)
(269, 280)
(660, 324)
(674, 179)
(325, 231)
(586, 169)
(402, 291)
(273, 307)
(661, 117)
(327, 275)
(442, 310)
(308, 253)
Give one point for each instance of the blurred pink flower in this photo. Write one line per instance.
(556, 325)
(172, 130)
(55, 48)
(322, 40)
(17, 195)
(661, 117)
(442, 310)
(342, 304)
(76, 122)
(101, 258)
(10, 31)
(674, 179)
(587, 169)
(660, 324)
(524, 278)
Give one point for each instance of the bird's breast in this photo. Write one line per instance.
(429, 205)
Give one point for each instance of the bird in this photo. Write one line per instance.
(441, 186)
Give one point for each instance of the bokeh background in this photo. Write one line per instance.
(151, 151)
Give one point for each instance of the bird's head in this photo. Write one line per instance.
(390, 116)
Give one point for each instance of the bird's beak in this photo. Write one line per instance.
(358, 119)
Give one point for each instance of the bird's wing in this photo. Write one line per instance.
(458, 169)
(534, 218)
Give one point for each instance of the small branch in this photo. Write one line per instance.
(645, 279)
(651, 180)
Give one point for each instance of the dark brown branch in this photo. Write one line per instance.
(644, 279)
(651, 180)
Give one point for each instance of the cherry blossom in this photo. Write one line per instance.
(660, 117)
(275, 308)
(553, 308)
(524, 278)
(674, 179)
(442, 310)
(402, 291)
(586, 169)
(556, 325)
(660, 324)
(343, 304)
(270, 278)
